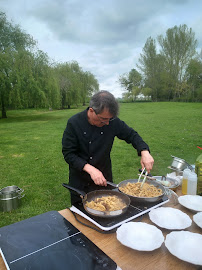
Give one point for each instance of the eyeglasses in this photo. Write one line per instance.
(104, 120)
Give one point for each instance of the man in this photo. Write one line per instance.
(87, 143)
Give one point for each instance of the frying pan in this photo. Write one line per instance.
(87, 197)
(140, 199)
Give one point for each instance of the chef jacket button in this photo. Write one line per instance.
(101, 132)
(84, 133)
(90, 142)
(91, 157)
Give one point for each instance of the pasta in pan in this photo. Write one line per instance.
(134, 189)
(106, 203)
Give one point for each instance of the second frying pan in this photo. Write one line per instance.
(140, 199)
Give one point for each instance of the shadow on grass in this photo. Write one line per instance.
(37, 115)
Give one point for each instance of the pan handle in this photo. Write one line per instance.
(149, 174)
(80, 192)
(112, 184)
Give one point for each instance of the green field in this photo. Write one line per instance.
(31, 158)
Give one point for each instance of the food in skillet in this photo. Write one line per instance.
(106, 203)
(134, 189)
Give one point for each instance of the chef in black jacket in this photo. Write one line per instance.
(87, 142)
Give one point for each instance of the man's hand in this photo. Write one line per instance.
(147, 160)
(96, 175)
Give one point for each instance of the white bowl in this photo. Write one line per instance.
(170, 218)
(185, 246)
(192, 202)
(197, 218)
(140, 236)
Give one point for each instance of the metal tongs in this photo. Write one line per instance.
(145, 176)
(169, 192)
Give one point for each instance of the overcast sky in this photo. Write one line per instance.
(105, 37)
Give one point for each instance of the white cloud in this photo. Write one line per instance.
(105, 37)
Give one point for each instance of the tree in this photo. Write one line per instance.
(164, 71)
(75, 84)
(69, 80)
(152, 65)
(29, 80)
(146, 91)
(90, 85)
(131, 82)
(12, 40)
(63, 75)
(178, 47)
(48, 89)
(194, 78)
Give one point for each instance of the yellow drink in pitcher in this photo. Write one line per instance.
(184, 186)
(185, 181)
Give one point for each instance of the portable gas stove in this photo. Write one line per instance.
(107, 224)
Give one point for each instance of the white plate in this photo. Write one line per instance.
(198, 219)
(185, 246)
(140, 236)
(192, 202)
(170, 218)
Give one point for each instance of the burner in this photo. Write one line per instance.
(107, 224)
(49, 241)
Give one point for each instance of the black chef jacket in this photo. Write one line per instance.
(84, 143)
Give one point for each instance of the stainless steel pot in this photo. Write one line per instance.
(10, 198)
(180, 164)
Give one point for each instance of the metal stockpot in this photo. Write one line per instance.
(180, 164)
(10, 198)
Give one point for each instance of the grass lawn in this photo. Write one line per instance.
(31, 158)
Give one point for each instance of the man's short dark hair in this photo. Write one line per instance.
(104, 100)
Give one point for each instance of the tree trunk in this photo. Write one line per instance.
(3, 110)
